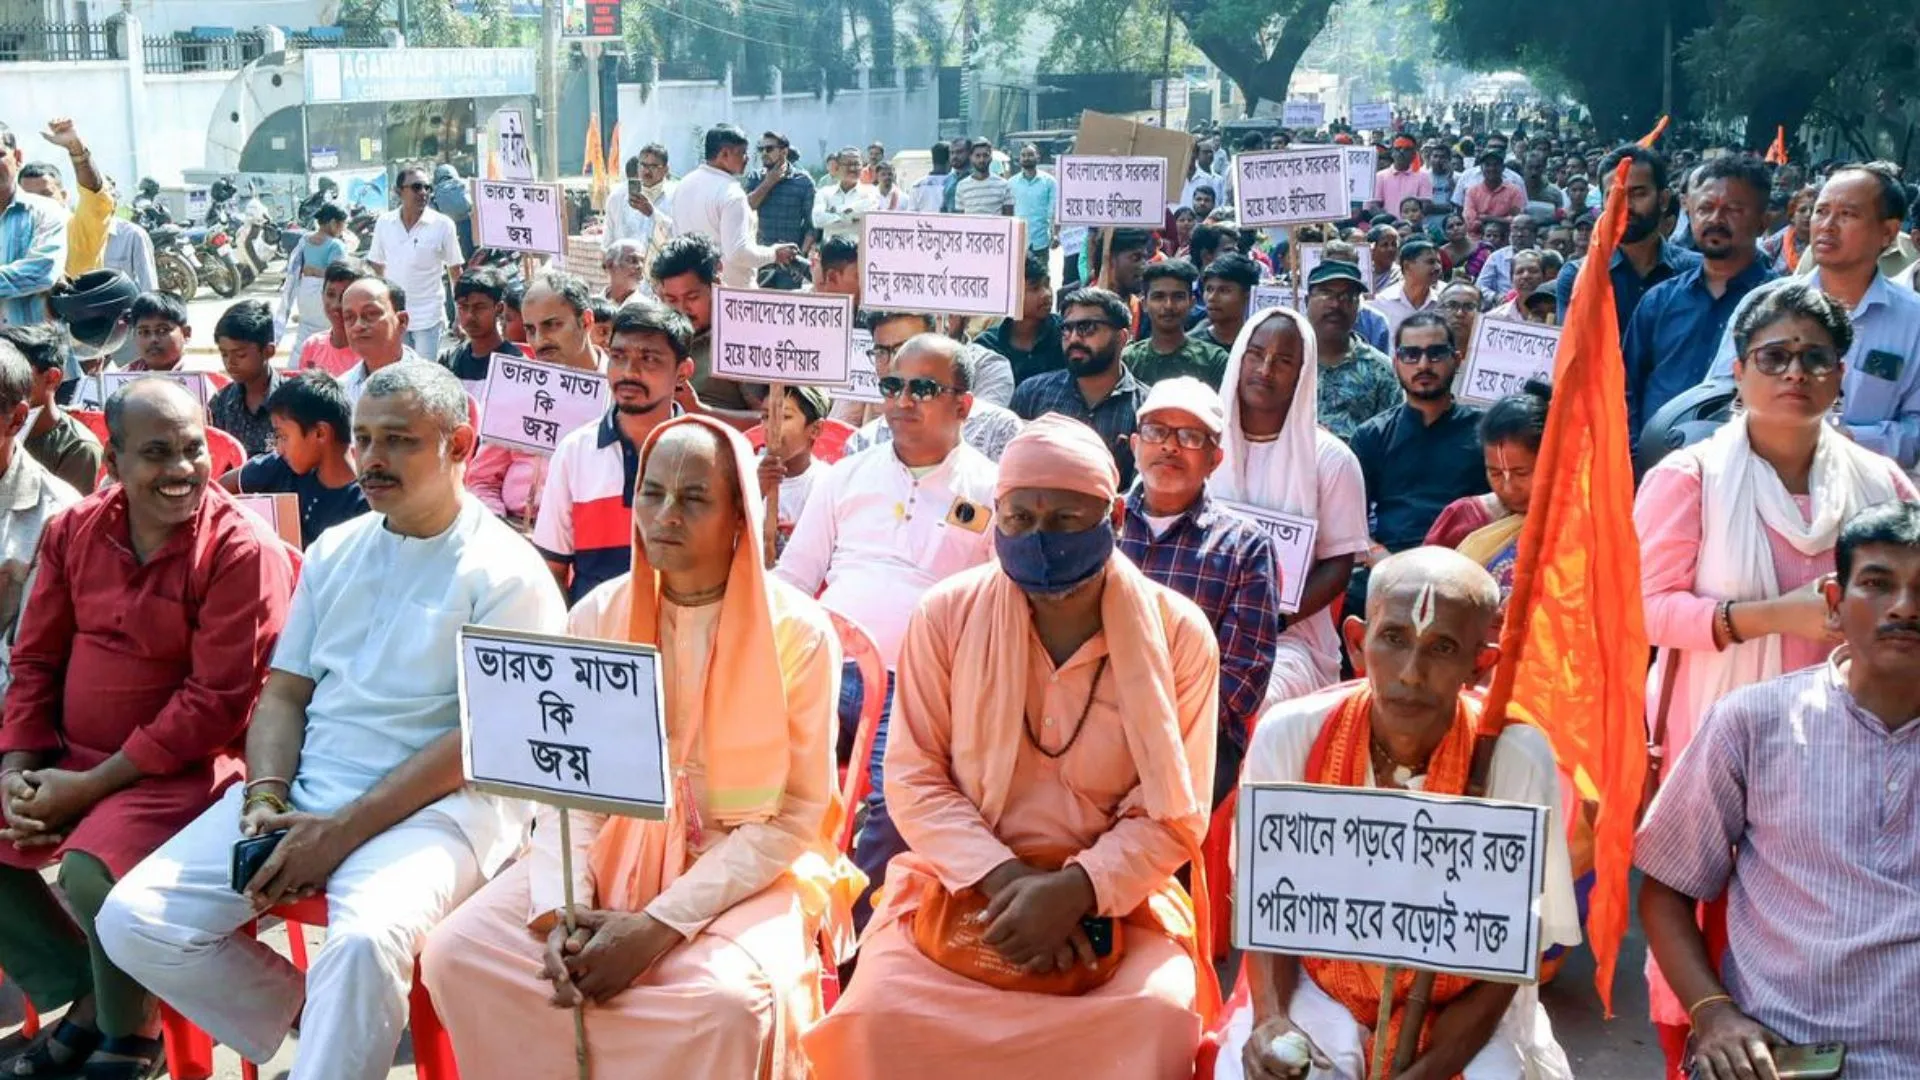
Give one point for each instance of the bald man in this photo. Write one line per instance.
(1409, 724)
(1050, 770)
(138, 659)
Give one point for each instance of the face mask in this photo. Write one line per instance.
(1052, 563)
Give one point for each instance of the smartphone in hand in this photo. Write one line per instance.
(250, 854)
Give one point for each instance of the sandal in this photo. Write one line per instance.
(136, 1058)
(37, 1060)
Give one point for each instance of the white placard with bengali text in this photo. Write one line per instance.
(280, 510)
(778, 336)
(863, 378)
(516, 154)
(1298, 186)
(1118, 191)
(564, 721)
(1272, 294)
(518, 216)
(954, 264)
(195, 382)
(1311, 255)
(1372, 116)
(1303, 114)
(1292, 536)
(1363, 167)
(1439, 883)
(1505, 356)
(530, 406)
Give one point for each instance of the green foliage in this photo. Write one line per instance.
(1082, 35)
(1256, 43)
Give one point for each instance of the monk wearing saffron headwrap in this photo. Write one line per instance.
(1051, 762)
(697, 953)
(1412, 724)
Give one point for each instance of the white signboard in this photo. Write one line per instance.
(776, 336)
(1272, 294)
(529, 405)
(1504, 356)
(196, 383)
(1363, 163)
(1312, 255)
(564, 721)
(1296, 186)
(956, 264)
(1439, 883)
(863, 378)
(1178, 101)
(1304, 114)
(1112, 191)
(1292, 536)
(1372, 116)
(516, 154)
(280, 510)
(518, 216)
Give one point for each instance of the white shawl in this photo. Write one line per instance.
(1294, 489)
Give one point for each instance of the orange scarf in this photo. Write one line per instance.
(1342, 755)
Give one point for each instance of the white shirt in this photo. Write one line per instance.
(417, 259)
(796, 490)
(1391, 304)
(976, 196)
(373, 623)
(623, 222)
(838, 211)
(929, 194)
(355, 380)
(1342, 517)
(878, 537)
(711, 202)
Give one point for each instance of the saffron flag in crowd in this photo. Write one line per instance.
(1574, 647)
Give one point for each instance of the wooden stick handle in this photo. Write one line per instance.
(1416, 1016)
(1380, 1027)
(776, 407)
(566, 883)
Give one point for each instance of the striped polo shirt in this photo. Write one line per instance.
(586, 511)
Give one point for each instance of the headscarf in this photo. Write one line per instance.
(1295, 488)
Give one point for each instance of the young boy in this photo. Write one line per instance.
(160, 331)
(797, 469)
(603, 312)
(329, 351)
(312, 425)
(244, 335)
(512, 326)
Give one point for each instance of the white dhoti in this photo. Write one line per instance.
(1302, 664)
(173, 924)
(1522, 1047)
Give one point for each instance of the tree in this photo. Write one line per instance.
(1256, 43)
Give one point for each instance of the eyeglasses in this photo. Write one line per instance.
(1189, 438)
(919, 389)
(418, 186)
(1774, 360)
(770, 149)
(1086, 327)
(1432, 354)
(1459, 307)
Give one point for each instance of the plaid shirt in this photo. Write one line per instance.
(1114, 418)
(787, 212)
(1223, 563)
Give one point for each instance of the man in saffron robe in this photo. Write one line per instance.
(695, 954)
(1410, 724)
(1053, 755)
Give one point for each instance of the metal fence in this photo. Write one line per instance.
(180, 54)
(58, 42)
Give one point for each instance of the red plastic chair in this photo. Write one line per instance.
(95, 421)
(30, 1023)
(226, 451)
(829, 446)
(1216, 1034)
(1217, 851)
(857, 645)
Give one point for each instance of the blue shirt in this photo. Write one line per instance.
(33, 253)
(1628, 285)
(1033, 202)
(1880, 391)
(1670, 342)
(1372, 328)
(1114, 417)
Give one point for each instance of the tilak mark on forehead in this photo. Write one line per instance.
(1424, 609)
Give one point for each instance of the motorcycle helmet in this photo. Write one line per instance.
(223, 189)
(149, 187)
(94, 307)
(1690, 417)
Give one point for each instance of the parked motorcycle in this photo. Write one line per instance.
(176, 266)
(224, 218)
(219, 270)
(264, 239)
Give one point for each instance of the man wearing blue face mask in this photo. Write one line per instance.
(1051, 760)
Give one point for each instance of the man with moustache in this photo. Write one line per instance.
(374, 311)
(1356, 383)
(987, 427)
(584, 530)
(137, 659)
(1670, 342)
(354, 750)
(1096, 388)
(1645, 257)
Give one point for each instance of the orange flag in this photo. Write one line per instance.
(1777, 153)
(1574, 648)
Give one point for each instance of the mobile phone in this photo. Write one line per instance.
(635, 188)
(1100, 933)
(250, 854)
(1819, 1061)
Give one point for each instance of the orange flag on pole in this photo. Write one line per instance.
(1574, 647)
(1777, 153)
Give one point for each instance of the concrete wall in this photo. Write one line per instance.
(99, 98)
(677, 115)
(163, 17)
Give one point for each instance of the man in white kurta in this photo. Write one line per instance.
(370, 642)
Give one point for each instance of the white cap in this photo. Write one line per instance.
(1188, 395)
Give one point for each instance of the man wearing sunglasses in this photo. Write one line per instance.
(1096, 388)
(418, 248)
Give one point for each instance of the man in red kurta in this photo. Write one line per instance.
(143, 645)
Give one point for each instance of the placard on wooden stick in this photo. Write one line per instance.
(281, 510)
(1296, 186)
(1292, 536)
(1440, 883)
(1363, 164)
(1111, 191)
(777, 336)
(1506, 355)
(564, 721)
(954, 264)
(530, 405)
(863, 376)
(518, 216)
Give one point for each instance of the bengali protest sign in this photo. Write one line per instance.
(1272, 294)
(529, 405)
(776, 336)
(1504, 356)
(1311, 255)
(516, 154)
(564, 721)
(1363, 166)
(518, 216)
(1372, 115)
(956, 264)
(1111, 190)
(1441, 883)
(1303, 114)
(1292, 536)
(863, 378)
(1291, 187)
(195, 382)
(280, 510)
(1105, 135)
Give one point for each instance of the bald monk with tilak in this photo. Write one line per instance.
(1410, 723)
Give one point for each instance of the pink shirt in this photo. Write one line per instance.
(1389, 187)
(1504, 203)
(319, 352)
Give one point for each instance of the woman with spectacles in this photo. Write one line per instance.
(1737, 531)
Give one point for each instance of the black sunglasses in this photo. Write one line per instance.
(1774, 360)
(919, 389)
(1086, 327)
(1432, 354)
(418, 186)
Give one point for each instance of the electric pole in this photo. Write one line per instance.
(550, 90)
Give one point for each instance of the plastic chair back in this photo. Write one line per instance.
(857, 645)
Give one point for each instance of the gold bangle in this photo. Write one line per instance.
(268, 799)
(1711, 999)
